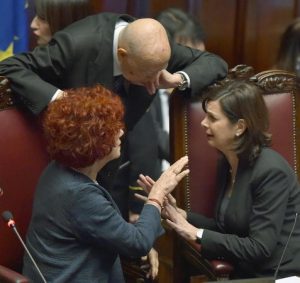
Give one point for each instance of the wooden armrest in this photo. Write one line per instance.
(221, 268)
(132, 269)
(217, 268)
(195, 245)
(9, 276)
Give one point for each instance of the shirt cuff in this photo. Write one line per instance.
(187, 78)
(57, 94)
(199, 235)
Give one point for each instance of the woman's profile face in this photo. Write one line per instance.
(220, 132)
(41, 30)
(116, 150)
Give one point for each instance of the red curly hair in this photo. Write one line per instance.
(82, 126)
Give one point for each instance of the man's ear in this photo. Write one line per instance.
(122, 53)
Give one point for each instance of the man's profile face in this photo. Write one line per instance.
(141, 73)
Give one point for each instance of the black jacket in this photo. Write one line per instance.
(258, 219)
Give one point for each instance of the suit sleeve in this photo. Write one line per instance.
(96, 220)
(270, 197)
(202, 221)
(30, 73)
(202, 67)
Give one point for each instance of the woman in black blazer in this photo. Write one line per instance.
(259, 192)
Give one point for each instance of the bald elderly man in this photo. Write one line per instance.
(98, 49)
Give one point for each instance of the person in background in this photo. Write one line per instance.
(132, 56)
(54, 15)
(76, 232)
(186, 30)
(289, 51)
(148, 142)
(183, 28)
(259, 193)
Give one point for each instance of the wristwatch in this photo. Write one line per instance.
(184, 82)
(199, 234)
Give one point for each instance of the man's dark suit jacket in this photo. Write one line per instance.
(82, 55)
(258, 219)
(148, 145)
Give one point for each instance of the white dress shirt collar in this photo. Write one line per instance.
(120, 25)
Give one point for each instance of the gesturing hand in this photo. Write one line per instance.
(171, 177)
(146, 183)
(177, 221)
(174, 173)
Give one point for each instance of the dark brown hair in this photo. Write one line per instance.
(61, 13)
(243, 100)
(181, 27)
(289, 49)
(82, 126)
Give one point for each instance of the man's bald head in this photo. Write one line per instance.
(146, 38)
(144, 46)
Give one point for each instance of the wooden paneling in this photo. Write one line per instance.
(115, 6)
(145, 8)
(245, 31)
(219, 24)
(96, 5)
(265, 22)
(240, 31)
(158, 6)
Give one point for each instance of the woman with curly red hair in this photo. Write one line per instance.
(76, 232)
(81, 129)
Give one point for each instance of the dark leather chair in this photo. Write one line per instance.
(22, 158)
(197, 192)
(9, 276)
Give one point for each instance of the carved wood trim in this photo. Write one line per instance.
(6, 100)
(275, 81)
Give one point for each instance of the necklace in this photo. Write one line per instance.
(230, 183)
(232, 177)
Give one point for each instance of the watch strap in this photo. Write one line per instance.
(184, 82)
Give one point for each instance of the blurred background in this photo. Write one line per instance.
(240, 31)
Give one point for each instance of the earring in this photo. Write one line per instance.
(237, 134)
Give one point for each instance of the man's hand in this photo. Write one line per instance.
(164, 80)
(167, 80)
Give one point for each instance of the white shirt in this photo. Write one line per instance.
(120, 25)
